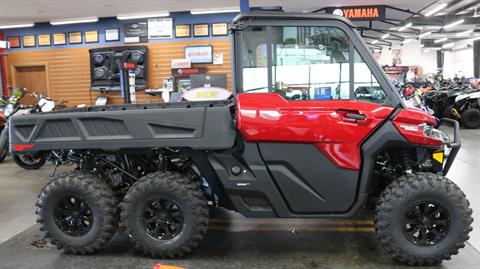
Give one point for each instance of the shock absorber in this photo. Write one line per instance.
(407, 161)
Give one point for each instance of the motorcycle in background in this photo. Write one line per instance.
(13, 107)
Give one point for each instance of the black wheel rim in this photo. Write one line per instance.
(162, 218)
(426, 223)
(73, 216)
(474, 119)
(29, 159)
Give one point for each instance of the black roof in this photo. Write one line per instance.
(289, 16)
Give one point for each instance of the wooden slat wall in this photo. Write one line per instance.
(69, 73)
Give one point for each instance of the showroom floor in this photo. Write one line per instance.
(233, 241)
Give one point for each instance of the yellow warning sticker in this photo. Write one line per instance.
(438, 156)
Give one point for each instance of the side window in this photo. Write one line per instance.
(310, 63)
(365, 86)
(253, 48)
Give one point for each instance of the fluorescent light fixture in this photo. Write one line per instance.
(436, 9)
(405, 26)
(143, 15)
(440, 40)
(427, 50)
(424, 34)
(393, 28)
(448, 45)
(407, 41)
(214, 10)
(385, 36)
(422, 45)
(465, 33)
(73, 21)
(453, 24)
(475, 38)
(17, 26)
(375, 42)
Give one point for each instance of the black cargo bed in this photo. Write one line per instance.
(198, 125)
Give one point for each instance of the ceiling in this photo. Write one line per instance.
(25, 11)
(28, 11)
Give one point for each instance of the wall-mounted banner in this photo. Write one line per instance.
(160, 28)
(181, 63)
(179, 72)
(135, 32)
(199, 54)
(359, 13)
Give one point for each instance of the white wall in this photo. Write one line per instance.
(459, 62)
(412, 55)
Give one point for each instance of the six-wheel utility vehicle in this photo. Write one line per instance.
(314, 130)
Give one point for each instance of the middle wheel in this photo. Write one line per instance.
(165, 214)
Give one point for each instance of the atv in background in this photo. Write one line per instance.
(466, 109)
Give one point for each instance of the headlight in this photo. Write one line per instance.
(430, 131)
(8, 110)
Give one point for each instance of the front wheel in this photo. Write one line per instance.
(471, 118)
(29, 161)
(423, 219)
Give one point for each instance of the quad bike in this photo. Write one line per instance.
(263, 154)
(466, 109)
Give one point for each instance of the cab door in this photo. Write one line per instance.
(322, 101)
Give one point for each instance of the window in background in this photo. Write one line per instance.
(254, 59)
(310, 63)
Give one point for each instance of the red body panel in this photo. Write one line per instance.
(408, 119)
(268, 117)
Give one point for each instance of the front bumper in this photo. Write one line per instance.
(453, 146)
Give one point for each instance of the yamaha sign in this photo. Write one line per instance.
(359, 13)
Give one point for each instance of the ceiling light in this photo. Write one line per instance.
(375, 42)
(385, 36)
(143, 15)
(427, 50)
(217, 10)
(17, 26)
(465, 33)
(435, 10)
(73, 21)
(448, 45)
(440, 40)
(407, 41)
(424, 34)
(475, 38)
(405, 26)
(453, 24)
(422, 45)
(393, 28)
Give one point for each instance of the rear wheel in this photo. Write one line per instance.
(3, 144)
(471, 118)
(165, 214)
(77, 212)
(423, 219)
(29, 161)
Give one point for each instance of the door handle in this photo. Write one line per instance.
(355, 116)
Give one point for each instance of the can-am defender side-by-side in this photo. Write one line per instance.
(314, 130)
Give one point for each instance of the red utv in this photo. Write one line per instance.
(314, 130)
